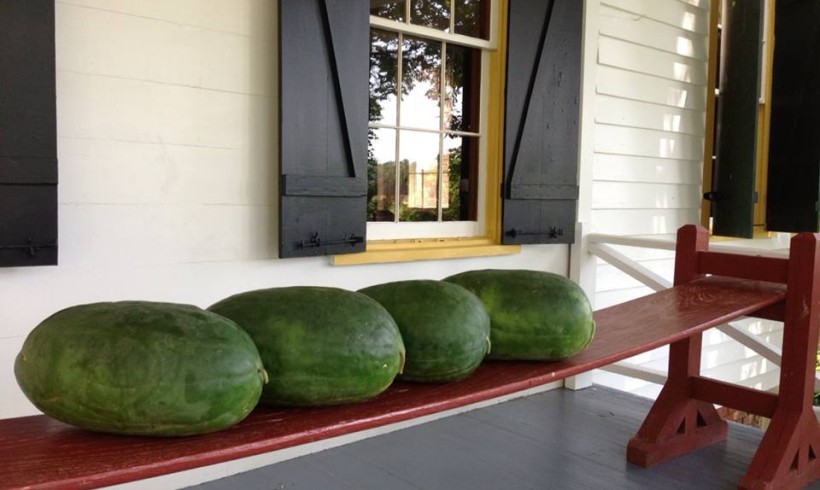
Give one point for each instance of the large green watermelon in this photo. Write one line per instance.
(320, 346)
(141, 368)
(445, 328)
(534, 315)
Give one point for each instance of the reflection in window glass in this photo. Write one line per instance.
(389, 9)
(421, 71)
(381, 175)
(459, 194)
(384, 62)
(472, 18)
(418, 156)
(431, 13)
(462, 104)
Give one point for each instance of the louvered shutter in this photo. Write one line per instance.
(28, 134)
(794, 147)
(324, 47)
(540, 188)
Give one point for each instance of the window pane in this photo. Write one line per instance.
(381, 175)
(460, 179)
(472, 18)
(419, 175)
(389, 9)
(421, 68)
(384, 62)
(462, 105)
(431, 13)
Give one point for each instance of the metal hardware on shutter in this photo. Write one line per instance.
(29, 247)
(315, 241)
(553, 232)
(711, 196)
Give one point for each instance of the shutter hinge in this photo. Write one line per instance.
(29, 247)
(553, 232)
(712, 196)
(314, 241)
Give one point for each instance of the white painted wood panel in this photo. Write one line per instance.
(645, 88)
(647, 32)
(107, 43)
(671, 12)
(245, 17)
(650, 61)
(643, 115)
(628, 168)
(642, 221)
(121, 172)
(647, 143)
(628, 195)
(113, 109)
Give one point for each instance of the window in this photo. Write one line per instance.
(411, 156)
(427, 62)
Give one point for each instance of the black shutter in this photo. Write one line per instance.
(794, 146)
(540, 188)
(28, 134)
(324, 47)
(733, 192)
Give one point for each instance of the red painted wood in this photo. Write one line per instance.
(734, 396)
(788, 454)
(38, 452)
(677, 423)
(744, 266)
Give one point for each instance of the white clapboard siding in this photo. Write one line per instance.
(632, 195)
(644, 115)
(645, 88)
(649, 134)
(642, 30)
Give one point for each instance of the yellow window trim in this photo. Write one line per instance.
(383, 251)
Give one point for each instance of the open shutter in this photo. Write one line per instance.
(733, 192)
(28, 134)
(540, 188)
(794, 146)
(324, 46)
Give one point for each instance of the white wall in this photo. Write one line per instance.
(648, 109)
(167, 134)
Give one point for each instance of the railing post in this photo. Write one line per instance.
(583, 271)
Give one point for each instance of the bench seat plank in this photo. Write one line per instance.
(39, 452)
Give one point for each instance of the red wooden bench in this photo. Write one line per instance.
(38, 452)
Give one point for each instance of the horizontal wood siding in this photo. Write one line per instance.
(649, 127)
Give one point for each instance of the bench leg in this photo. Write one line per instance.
(677, 423)
(788, 454)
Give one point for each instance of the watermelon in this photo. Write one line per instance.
(320, 346)
(534, 315)
(445, 328)
(141, 368)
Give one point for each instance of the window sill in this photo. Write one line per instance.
(387, 251)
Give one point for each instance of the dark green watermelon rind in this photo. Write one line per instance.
(141, 368)
(535, 316)
(445, 328)
(320, 346)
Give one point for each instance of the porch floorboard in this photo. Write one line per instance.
(558, 440)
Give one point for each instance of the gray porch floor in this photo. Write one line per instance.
(555, 440)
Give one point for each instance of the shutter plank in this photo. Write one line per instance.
(541, 130)
(734, 185)
(794, 149)
(28, 134)
(324, 46)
